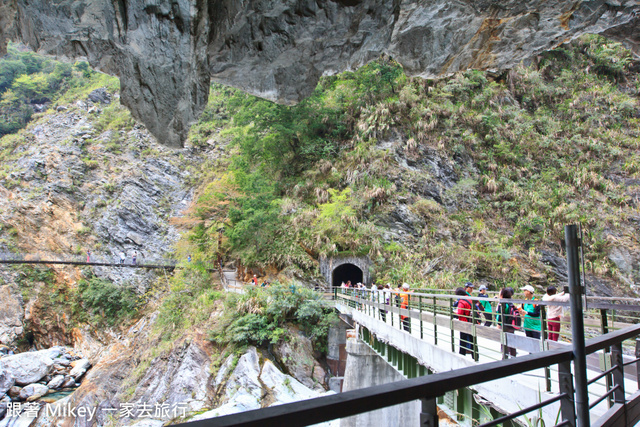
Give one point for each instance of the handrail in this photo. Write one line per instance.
(593, 304)
(354, 402)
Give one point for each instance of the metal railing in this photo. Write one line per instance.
(429, 388)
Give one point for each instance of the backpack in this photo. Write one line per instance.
(516, 320)
(512, 317)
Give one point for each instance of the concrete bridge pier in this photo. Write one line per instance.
(365, 368)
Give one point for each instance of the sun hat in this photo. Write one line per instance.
(482, 288)
(528, 288)
(468, 285)
(405, 286)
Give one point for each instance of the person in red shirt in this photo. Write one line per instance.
(254, 280)
(464, 315)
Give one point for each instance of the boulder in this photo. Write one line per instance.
(100, 96)
(27, 368)
(14, 392)
(68, 382)
(56, 382)
(296, 355)
(284, 388)
(79, 368)
(6, 381)
(33, 392)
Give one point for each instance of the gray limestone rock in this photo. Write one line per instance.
(33, 391)
(11, 315)
(6, 381)
(166, 53)
(56, 382)
(27, 368)
(81, 366)
(621, 257)
(100, 96)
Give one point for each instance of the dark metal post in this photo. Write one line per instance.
(474, 335)
(618, 374)
(421, 326)
(435, 323)
(604, 329)
(453, 332)
(577, 325)
(638, 362)
(565, 382)
(429, 414)
(543, 344)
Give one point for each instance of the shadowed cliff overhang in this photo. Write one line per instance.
(166, 52)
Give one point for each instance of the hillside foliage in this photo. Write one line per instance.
(529, 150)
(31, 82)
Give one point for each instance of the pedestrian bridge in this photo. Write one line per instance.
(484, 388)
(432, 342)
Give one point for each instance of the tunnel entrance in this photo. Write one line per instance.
(346, 272)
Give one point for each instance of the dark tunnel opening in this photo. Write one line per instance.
(346, 272)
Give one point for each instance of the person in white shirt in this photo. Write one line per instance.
(554, 311)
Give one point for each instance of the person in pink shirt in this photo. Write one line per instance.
(554, 311)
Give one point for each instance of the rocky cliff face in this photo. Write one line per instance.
(71, 183)
(166, 52)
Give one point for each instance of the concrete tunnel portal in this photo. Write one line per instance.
(346, 272)
(340, 269)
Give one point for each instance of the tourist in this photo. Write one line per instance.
(254, 280)
(404, 304)
(485, 306)
(531, 313)
(88, 255)
(554, 311)
(468, 288)
(507, 318)
(134, 257)
(189, 258)
(122, 257)
(464, 315)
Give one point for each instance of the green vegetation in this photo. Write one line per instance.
(27, 79)
(524, 153)
(101, 302)
(259, 316)
(28, 277)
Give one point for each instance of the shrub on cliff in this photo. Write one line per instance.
(258, 317)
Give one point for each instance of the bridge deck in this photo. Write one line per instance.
(442, 332)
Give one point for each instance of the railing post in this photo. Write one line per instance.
(420, 309)
(474, 339)
(577, 325)
(618, 374)
(503, 334)
(638, 362)
(429, 414)
(543, 344)
(604, 329)
(565, 382)
(435, 324)
(453, 333)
